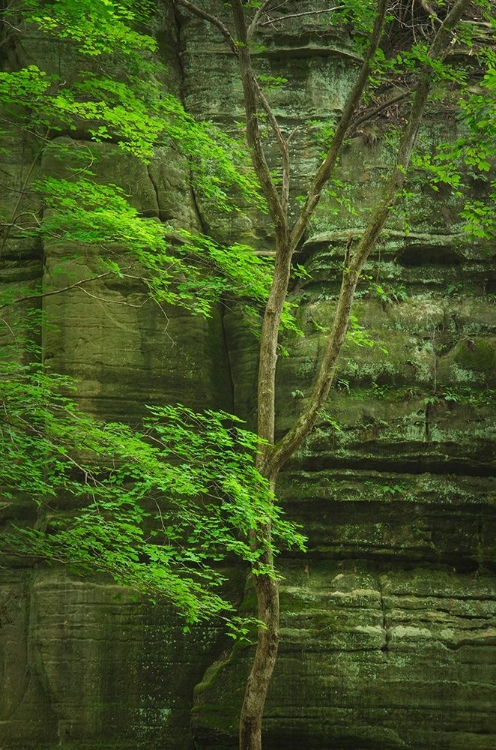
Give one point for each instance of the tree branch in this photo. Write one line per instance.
(293, 439)
(381, 107)
(260, 165)
(41, 295)
(282, 143)
(250, 91)
(254, 23)
(211, 19)
(304, 13)
(326, 168)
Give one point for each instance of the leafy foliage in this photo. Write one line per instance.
(138, 115)
(177, 266)
(158, 508)
(165, 507)
(96, 28)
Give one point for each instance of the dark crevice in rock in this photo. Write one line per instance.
(397, 557)
(385, 621)
(428, 255)
(421, 465)
(198, 212)
(228, 358)
(428, 411)
(182, 78)
(157, 194)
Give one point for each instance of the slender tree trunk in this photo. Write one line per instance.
(264, 660)
(267, 589)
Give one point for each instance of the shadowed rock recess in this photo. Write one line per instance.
(388, 635)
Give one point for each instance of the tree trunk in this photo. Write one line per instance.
(250, 724)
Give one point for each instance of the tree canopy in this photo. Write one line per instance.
(159, 508)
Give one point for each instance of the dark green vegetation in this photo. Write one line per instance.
(371, 483)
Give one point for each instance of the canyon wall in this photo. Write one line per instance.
(388, 635)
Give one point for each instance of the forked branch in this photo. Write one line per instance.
(293, 439)
(214, 20)
(326, 168)
(253, 135)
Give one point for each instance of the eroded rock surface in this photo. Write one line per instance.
(389, 631)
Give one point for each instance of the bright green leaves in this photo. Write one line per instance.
(480, 216)
(466, 161)
(112, 111)
(358, 335)
(85, 212)
(96, 28)
(136, 114)
(176, 266)
(24, 84)
(237, 272)
(219, 164)
(158, 509)
(135, 111)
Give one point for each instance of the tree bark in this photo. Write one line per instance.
(250, 723)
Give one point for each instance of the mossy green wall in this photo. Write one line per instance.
(389, 621)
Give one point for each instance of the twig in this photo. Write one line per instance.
(213, 20)
(304, 13)
(40, 295)
(114, 301)
(253, 25)
(381, 107)
(254, 139)
(283, 144)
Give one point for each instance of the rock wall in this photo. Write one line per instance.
(389, 620)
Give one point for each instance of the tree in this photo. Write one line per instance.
(422, 67)
(429, 66)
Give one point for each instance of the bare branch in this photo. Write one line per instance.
(18, 202)
(250, 91)
(7, 23)
(304, 13)
(381, 107)
(41, 295)
(109, 301)
(430, 11)
(326, 168)
(253, 25)
(244, 34)
(282, 142)
(213, 20)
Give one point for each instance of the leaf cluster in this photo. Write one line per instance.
(468, 159)
(158, 508)
(177, 266)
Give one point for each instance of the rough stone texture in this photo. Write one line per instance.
(87, 665)
(373, 656)
(389, 632)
